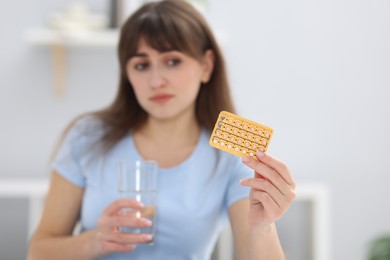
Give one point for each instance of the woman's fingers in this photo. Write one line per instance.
(109, 223)
(105, 247)
(108, 242)
(267, 187)
(278, 166)
(121, 213)
(273, 176)
(125, 238)
(109, 247)
(119, 204)
(264, 171)
(272, 209)
(272, 187)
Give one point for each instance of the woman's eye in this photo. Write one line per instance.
(140, 66)
(173, 62)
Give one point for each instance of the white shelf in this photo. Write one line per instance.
(59, 41)
(23, 187)
(101, 38)
(47, 37)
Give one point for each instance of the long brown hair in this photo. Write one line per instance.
(165, 25)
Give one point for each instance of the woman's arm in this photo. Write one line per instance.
(252, 243)
(271, 194)
(53, 238)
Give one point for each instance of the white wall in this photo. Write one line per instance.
(316, 71)
(32, 117)
(319, 73)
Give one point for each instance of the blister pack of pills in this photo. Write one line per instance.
(240, 136)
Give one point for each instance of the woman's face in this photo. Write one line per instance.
(166, 84)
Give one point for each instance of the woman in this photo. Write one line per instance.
(172, 86)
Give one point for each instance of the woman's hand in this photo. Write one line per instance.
(120, 213)
(272, 189)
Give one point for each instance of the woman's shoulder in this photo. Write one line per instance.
(86, 122)
(85, 129)
(86, 125)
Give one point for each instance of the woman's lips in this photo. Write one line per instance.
(161, 98)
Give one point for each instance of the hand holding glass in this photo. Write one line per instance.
(138, 181)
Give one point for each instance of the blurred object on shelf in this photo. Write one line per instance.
(114, 14)
(75, 23)
(128, 7)
(120, 10)
(59, 68)
(77, 18)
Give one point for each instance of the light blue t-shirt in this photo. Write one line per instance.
(193, 197)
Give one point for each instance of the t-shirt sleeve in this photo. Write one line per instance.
(67, 159)
(235, 191)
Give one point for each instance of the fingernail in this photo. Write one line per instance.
(148, 236)
(245, 159)
(260, 154)
(242, 181)
(148, 222)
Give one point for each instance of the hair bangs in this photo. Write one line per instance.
(164, 33)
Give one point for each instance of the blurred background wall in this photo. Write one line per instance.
(318, 72)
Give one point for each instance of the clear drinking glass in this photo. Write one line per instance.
(138, 180)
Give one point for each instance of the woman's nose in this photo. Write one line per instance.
(156, 79)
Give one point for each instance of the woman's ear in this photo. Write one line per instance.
(208, 65)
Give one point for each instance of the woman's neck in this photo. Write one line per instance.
(180, 130)
(169, 142)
